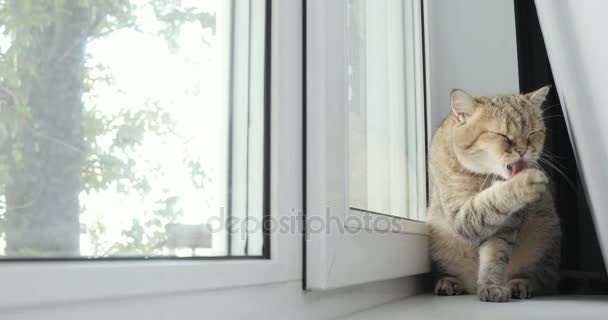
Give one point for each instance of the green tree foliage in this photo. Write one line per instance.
(52, 148)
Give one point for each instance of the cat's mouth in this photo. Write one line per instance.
(516, 167)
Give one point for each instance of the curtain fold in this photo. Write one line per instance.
(575, 37)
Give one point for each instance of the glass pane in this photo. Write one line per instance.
(118, 132)
(383, 107)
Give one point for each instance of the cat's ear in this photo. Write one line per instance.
(462, 103)
(538, 97)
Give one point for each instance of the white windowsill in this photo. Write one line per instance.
(469, 307)
(363, 220)
(43, 283)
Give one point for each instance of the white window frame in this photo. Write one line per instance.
(362, 251)
(37, 283)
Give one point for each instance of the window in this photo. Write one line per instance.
(386, 133)
(366, 175)
(274, 33)
(132, 129)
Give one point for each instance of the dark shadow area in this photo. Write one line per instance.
(582, 266)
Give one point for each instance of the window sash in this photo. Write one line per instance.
(26, 284)
(359, 239)
(386, 140)
(247, 184)
(242, 157)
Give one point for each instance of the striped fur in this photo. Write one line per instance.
(493, 234)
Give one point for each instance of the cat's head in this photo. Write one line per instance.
(498, 135)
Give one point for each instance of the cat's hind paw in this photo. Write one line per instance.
(448, 286)
(521, 289)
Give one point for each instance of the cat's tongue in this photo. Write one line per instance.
(517, 167)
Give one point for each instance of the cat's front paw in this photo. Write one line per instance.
(494, 293)
(529, 185)
(448, 286)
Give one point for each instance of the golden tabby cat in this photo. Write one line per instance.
(494, 230)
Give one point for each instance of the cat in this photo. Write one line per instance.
(493, 227)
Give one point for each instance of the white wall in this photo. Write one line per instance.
(471, 45)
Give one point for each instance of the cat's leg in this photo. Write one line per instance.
(539, 278)
(449, 286)
(485, 213)
(454, 257)
(494, 256)
(534, 265)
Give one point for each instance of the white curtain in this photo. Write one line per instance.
(577, 44)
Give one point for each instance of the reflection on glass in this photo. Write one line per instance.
(115, 135)
(383, 107)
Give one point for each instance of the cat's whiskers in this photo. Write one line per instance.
(551, 106)
(545, 172)
(494, 177)
(553, 155)
(554, 161)
(469, 176)
(484, 182)
(559, 171)
(552, 116)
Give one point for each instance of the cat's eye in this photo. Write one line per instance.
(535, 132)
(502, 135)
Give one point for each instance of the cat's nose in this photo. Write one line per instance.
(521, 151)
